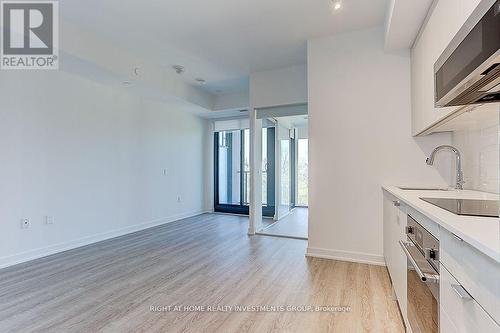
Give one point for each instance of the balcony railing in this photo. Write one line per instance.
(246, 187)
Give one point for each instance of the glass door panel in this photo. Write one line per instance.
(264, 166)
(268, 171)
(246, 167)
(232, 171)
(229, 167)
(285, 172)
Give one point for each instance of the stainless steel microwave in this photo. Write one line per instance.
(468, 71)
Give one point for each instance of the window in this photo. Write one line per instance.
(303, 172)
(232, 171)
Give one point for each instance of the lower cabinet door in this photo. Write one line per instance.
(399, 258)
(445, 324)
(394, 226)
(460, 308)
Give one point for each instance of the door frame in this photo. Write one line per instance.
(293, 169)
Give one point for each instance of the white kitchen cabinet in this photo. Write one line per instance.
(446, 324)
(394, 231)
(477, 273)
(445, 20)
(469, 278)
(459, 311)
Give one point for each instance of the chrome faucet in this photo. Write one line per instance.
(460, 174)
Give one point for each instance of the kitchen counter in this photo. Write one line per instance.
(482, 233)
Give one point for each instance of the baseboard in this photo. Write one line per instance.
(363, 258)
(61, 247)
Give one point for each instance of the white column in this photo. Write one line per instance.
(209, 166)
(255, 220)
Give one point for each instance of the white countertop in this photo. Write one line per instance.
(483, 233)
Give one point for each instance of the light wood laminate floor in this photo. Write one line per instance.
(202, 261)
(292, 225)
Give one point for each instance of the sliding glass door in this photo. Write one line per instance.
(268, 171)
(229, 179)
(232, 171)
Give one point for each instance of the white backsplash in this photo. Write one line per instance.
(480, 150)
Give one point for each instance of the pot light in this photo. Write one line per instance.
(178, 69)
(337, 4)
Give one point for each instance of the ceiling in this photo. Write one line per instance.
(221, 41)
(404, 19)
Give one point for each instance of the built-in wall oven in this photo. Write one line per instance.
(422, 252)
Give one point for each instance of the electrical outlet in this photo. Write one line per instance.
(25, 223)
(165, 172)
(179, 199)
(49, 219)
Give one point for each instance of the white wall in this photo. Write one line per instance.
(92, 156)
(283, 86)
(359, 139)
(480, 152)
(303, 132)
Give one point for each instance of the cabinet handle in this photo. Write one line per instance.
(396, 203)
(461, 292)
(458, 238)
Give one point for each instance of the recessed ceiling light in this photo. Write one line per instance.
(179, 69)
(200, 81)
(337, 4)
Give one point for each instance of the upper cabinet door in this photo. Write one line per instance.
(445, 20)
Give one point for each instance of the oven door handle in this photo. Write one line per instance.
(432, 278)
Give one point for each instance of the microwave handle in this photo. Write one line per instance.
(423, 276)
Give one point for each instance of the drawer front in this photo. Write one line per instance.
(477, 273)
(459, 311)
